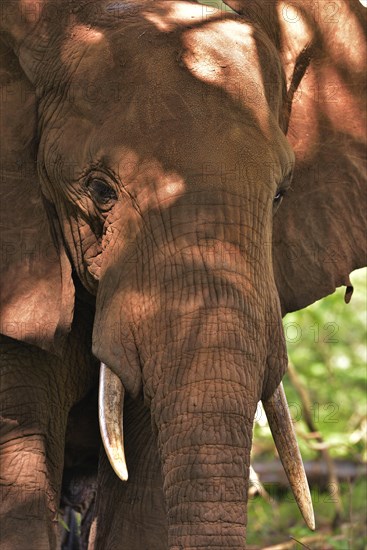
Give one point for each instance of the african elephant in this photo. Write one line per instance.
(146, 148)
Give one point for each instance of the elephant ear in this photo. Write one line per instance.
(36, 289)
(319, 233)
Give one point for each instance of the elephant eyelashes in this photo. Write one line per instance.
(101, 192)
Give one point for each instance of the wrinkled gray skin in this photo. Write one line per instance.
(161, 157)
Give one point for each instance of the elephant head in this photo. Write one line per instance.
(159, 132)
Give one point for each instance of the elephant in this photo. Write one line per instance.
(175, 179)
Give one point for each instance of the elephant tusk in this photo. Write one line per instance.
(110, 412)
(281, 426)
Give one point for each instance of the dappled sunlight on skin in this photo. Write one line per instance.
(85, 33)
(183, 254)
(140, 308)
(296, 32)
(304, 143)
(210, 259)
(342, 66)
(23, 322)
(176, 14)
(205, 49)
(171, 186)
(203, 55)
(179, 116)
(332, 27)
(327, 132)
(347, 103)
(338, 43)
(325, 93)
(145, 180)
(160, 135)
(241, 76)
(218, 259)
(82, 37)
(200, 134)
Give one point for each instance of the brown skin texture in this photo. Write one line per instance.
(38, 390)
(160, 148)
(327, 131)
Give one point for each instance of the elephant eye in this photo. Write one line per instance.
(101, 192)
(278, 198)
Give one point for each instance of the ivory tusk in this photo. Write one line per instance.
(110, 412)
(280, 422)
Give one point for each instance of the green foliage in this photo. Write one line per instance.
(62, 523)
(327, 346)
(280, 521)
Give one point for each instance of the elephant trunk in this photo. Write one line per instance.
(203, 406)
(197, 328)
(205, 454)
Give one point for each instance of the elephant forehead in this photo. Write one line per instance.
(168, 16)
(215, 52)
(238, 59)
(194, 97)
(221, 50)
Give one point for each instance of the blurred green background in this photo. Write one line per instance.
(327, 348)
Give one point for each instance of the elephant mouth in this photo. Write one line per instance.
(111, 401)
